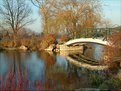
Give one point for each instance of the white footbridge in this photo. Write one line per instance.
(86, 40)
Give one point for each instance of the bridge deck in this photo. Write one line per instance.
(85, 40)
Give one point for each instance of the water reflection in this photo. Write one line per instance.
(35, 67)
(47, 71)
(48, 59)
(61, 62)
(94, 51)
(4, 64)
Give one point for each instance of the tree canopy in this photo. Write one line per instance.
(69, 16)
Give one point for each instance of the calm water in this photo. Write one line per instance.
(50, 71)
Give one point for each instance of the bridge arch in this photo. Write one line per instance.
(86, 40)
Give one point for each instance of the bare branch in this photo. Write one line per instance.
(15, 13)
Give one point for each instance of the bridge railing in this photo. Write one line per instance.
(93, 32)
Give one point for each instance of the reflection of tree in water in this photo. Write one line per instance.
(16, 58)
(94, 51)
(55, 77)
(88, 78)
(16, 77)
(12, 59)
(89, 51)
(68, 80)
(18, 69)
(47, 58)
(17, 55)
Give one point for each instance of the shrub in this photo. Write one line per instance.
(64, 39)
(8, 43)
(32, 43)
(112, 84)
(97, 80)
(46, 40)
(113, 50)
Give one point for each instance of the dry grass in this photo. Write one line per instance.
(32, 43)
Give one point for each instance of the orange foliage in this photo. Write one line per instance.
(49, 59)
(63, 39)
(46, 41)
(113, 50)
(70, 15)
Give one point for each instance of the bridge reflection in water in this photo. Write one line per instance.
(46, 71)
(78, 59)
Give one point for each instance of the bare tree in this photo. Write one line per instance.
(15, 15)
(37, 3)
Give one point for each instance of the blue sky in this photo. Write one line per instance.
(112, 11)
(37, 24)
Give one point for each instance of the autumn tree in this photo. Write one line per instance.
(113, 50)
(69, 16)
(15, 15)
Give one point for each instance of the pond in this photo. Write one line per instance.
(45, 71)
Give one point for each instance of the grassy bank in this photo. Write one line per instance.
(32, 43)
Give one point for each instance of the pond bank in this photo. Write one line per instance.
(14, 48)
